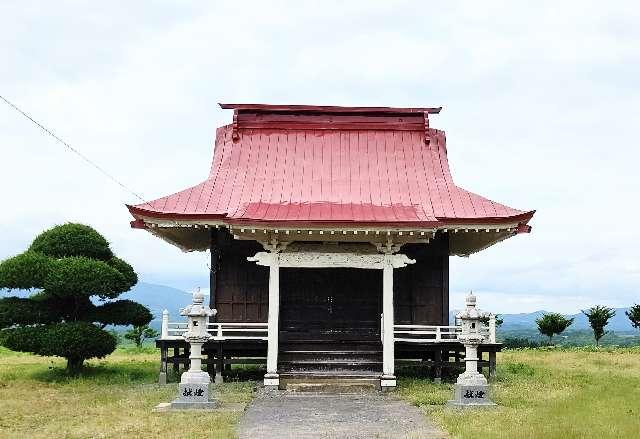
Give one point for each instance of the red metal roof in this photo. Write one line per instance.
(330, 165)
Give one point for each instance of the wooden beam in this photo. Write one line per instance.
(213, 268)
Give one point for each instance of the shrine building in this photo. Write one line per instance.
(330, 231)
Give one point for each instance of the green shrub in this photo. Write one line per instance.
(518, 343)
(519, 369)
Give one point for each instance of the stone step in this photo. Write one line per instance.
(332, 352)
(330, 382)
(332, 362)
(329, 356)
(327, 346)
(332, 386)
(330, 369)
(327, 363)
(313, 374)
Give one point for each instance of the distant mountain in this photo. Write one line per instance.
(157, 298)
(619, 322)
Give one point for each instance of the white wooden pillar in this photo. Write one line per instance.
(272, 378)
(492, 328)
(388, 378)
(164, 334)
(330, 257)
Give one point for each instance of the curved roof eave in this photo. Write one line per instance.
(202, 218)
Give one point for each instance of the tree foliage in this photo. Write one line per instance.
(634, 315)
(79, 275)
(599, 318)
(74, 341)
(499, 320)
(67, 265)
(126, 270)
(138, 334)
(25, 271)
(72, 239)
(553, 323)
(122, 312)
(21, 311)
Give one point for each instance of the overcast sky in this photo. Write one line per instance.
(541, 109)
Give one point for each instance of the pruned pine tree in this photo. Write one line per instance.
(65, 267)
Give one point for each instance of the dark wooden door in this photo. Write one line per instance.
(330, 303)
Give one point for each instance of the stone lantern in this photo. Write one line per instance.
(193, 390)
(471, 388)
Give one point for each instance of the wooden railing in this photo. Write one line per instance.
(439, 334)
(426, 333)
(258, 331)
(219, 330)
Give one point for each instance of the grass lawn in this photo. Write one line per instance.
(113, 398)
(547, 393)
(543, 393)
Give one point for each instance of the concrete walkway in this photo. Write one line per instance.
(319, 415)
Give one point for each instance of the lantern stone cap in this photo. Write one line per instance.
(471, 312)
(197, 308)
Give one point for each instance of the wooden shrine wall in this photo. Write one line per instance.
(421, 290)
(241, 287)
(241, 290)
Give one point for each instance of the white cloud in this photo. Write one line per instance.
(540, 112)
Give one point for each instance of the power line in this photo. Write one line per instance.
(72, 149)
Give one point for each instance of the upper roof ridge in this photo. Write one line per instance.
(334, 109)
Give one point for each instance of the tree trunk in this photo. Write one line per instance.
(74, 365)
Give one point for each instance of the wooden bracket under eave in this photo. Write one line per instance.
(235, 135)
(138, 224)
(523, 228)
(427, 137)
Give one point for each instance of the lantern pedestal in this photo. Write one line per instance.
(193, 397)
(471, 396)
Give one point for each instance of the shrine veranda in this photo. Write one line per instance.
(330, 231)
